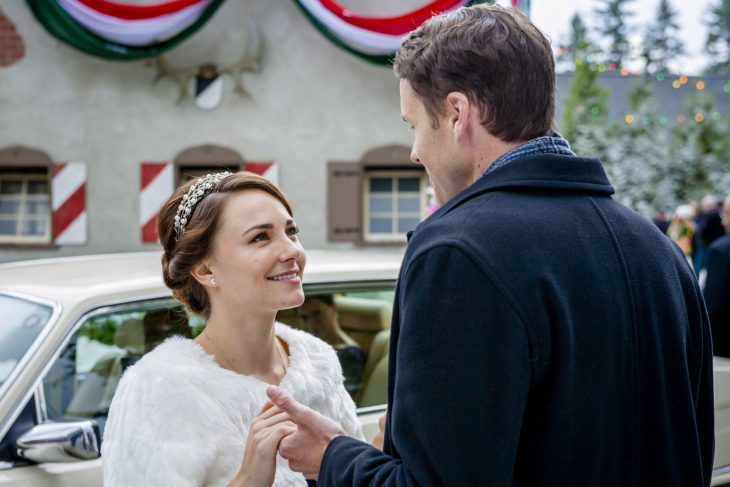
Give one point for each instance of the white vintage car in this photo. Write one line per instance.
(69, 327)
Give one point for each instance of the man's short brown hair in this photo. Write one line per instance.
(493, 55)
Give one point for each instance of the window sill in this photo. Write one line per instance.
(29, 245)
(382, 243)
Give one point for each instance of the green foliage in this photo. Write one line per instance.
(718, 37)
(100, 329)
(702, 150)
(586, 101)
(657, 166)
(661, 42)
(611, 19)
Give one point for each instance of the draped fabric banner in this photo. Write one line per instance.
(132, 12)
(133, 32)
(117, 31)
(375, 39)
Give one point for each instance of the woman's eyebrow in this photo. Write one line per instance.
(266, 226)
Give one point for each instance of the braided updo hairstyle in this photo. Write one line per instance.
(182, 255)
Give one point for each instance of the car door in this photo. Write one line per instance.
(76, 391)
(79, 383)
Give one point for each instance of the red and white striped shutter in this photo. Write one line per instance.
(68, 203)
(269, 170)
(157, 182)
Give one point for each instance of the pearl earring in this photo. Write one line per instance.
(212, 281)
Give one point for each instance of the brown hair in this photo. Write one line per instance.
(181, 256)
(496, 57)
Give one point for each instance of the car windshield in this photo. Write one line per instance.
(20, 324)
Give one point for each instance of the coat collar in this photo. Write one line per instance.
(545, 172)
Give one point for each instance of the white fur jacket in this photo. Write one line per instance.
(178, 419)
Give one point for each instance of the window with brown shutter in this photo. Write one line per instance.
(344, 209)
(377, 199)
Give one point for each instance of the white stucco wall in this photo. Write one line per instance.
(311, 102)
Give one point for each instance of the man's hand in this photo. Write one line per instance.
(379, 437)
(305, 448)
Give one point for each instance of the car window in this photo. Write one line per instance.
(82, 381)
(356, 322)
(20, 324)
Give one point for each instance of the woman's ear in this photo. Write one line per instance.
(201, 272)
(458, 112)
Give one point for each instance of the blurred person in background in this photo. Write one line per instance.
(319, 316)
(682, 229)
(709, 228)
(717, 287)
(661, 220)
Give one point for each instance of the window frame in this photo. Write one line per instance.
(155, 301)
(393, 174)
(20, 217)
(18, 158)
(117, 306)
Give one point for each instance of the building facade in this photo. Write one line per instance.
(90, 148)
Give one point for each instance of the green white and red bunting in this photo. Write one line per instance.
(122, 31)
(114, 30)
(375, 39)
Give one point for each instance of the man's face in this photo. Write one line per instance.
(317, 317)
(449, 171)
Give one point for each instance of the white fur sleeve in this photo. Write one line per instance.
(153, 435)
(345, 406)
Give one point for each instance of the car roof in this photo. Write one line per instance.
(75, 278)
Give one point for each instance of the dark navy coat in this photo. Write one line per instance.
(543, 335)
(717, 294)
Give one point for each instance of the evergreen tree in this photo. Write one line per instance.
(612, 17)
(718, 37)
(657, 166)
(639, 153)
(661, 41)
(700, 149)
(586, 101)
(579, 44)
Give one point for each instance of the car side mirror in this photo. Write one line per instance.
(71, 441)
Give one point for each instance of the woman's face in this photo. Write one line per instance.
(256, 258)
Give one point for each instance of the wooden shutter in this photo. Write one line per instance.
(344, 202)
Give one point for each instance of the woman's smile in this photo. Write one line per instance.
(289, 277)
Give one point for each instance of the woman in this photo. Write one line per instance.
(682, 229)
(192, 412)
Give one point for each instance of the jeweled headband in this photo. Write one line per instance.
(202, 188)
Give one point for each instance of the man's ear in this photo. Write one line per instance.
(458, 111)
(201, 272)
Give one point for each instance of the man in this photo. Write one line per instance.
(709, 229)
(320, 317)
(543, 334)
(717, 287)
(661, 220)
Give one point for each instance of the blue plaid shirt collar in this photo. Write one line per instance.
(552, 143)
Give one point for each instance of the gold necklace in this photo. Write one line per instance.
(230, 364)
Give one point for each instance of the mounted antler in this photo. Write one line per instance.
(249, 61)
(180, 76)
